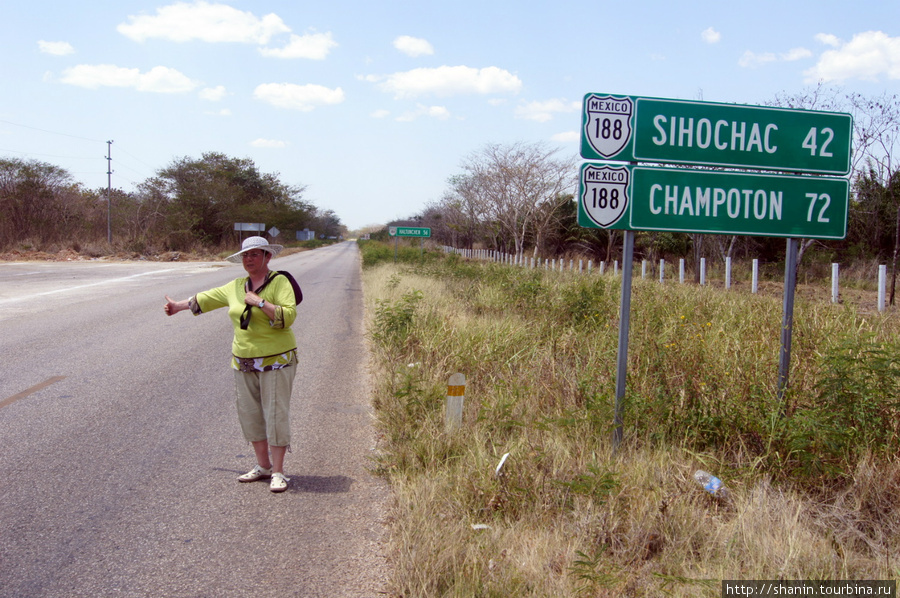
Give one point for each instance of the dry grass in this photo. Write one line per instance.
(564, 516)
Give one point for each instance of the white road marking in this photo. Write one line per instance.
(84, 286)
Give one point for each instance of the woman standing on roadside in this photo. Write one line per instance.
(262, 308)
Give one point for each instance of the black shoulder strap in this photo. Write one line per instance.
(298, 295)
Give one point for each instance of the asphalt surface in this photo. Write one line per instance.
(120, 448)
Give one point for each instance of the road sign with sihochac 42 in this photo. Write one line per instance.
(641, 129)
(625, 197)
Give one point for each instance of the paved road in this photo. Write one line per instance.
(119, 445)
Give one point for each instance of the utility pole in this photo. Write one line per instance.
(108, 191)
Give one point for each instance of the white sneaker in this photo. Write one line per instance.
(279, 482)
(257, 473)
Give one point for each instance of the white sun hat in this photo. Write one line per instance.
(254, 243)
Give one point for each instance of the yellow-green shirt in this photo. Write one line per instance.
(265, 344)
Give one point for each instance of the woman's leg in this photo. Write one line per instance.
(278, 458)
(261, 448)
(276, 387)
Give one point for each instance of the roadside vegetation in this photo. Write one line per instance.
(813, 480)
(189, 207)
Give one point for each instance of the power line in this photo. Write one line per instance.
(48, 155)
(51, 132)
(138, 159)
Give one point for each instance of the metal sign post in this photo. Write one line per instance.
(624, 326)
(392, 231)
(787, 322)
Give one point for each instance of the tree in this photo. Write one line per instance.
(327, 224)
(464, 210)
(38, 201)
(876, 127)
(204, 198)
(515, 182)
(877, 216)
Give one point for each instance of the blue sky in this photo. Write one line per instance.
(374, 105)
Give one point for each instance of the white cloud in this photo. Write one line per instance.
(380, 114)
(269, 143)
(448, 80)
(213, 94)
(828, 39)
(56, 48)
(796, 54)
(867, 56)
(544, 111)
(754, 60)
(204, 21)
(438, 112)
(413, 46)
(159, 79)
(314, 46)
(298, 97)
(711, 36)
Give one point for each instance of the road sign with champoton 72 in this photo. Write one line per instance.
(642, 129)
(622, 197)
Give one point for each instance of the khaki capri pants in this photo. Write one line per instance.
(263, 402)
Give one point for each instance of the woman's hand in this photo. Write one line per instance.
(251, 298)
(172, 307)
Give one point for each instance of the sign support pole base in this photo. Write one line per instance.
(624, 326)
(787, 322)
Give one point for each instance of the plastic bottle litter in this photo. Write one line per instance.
(710, 483)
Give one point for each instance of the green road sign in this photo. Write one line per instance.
(406, 231)
(705, 201)
(639, 129)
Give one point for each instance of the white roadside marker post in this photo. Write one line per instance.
(456, 393)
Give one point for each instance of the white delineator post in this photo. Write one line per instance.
(727, 272)
(456, 393)
(835, 273)
(755, 284)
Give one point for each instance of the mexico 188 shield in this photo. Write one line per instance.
(603, 196)
(606, 126)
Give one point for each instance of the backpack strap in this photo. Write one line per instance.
(298, 294)
(245, 317)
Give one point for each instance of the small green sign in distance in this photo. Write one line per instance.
(717, 202)
(640, 129)
(406, 231)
